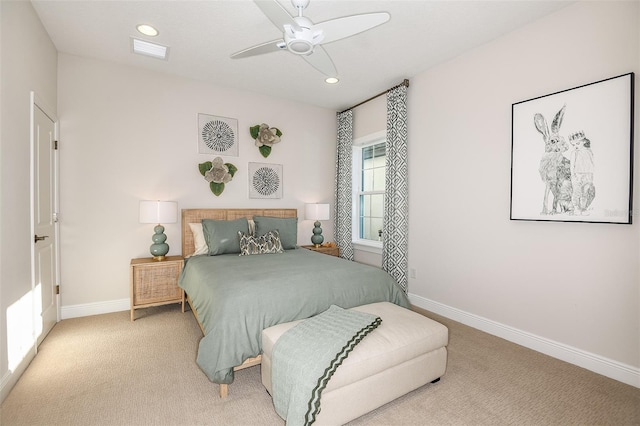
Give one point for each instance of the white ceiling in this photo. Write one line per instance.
(203, 34)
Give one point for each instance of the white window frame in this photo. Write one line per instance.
(358, 145)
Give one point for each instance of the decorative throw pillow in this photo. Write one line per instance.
(268, 243)
(199, 243)
(222, 235)
(287, 227)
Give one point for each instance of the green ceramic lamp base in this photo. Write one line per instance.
(159, 248)
(317, 237)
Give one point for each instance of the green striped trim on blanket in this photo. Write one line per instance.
(314, 403)
(306, 356)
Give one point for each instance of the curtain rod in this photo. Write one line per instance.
(404, 83)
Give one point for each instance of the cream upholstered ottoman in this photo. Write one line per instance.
(406, 351)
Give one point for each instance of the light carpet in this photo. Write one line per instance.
(106, 370)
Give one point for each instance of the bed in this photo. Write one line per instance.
(235, 297)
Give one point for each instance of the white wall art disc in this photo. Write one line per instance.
(217, 135)
(265, 180)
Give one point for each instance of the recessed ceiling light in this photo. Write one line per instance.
(149, 49)
(147, 30)
(331, 80)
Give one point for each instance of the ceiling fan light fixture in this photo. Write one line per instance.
(300, 47)
(147, 30)
(298, 42)
(331, 80)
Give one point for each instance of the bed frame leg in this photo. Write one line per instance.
(224, 390)
(436, 380)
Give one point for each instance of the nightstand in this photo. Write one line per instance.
(332, 251)
(155, 283)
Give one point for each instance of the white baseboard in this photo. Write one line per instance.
(615, 370)
(5, 386)
(76, 311)
(10, 378)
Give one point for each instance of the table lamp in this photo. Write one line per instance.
(317, 212)
(159, 212)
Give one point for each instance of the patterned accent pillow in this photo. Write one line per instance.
(267, 243)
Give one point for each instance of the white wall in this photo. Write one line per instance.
(28, 64)
(561, 286)
(370, 118)
(130, 134)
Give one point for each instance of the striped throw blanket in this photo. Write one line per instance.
(306, 356)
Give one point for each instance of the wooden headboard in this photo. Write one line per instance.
(196, 216)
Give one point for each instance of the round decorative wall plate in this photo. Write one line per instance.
(265, 180)
(217, 135)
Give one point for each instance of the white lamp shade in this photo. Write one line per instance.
(316, 212)
(158, 212)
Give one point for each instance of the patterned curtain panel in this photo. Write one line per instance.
(395, 233)
(344, 186)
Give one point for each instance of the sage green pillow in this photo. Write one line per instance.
(222, 235)
(287, 227)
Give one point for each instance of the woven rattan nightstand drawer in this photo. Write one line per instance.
(155, 283)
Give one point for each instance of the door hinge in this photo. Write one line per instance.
(58, 289)
(55, 145)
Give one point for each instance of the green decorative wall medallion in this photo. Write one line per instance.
(217, 173)
(265, 137)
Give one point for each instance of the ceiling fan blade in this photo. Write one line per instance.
(321, 61)
(339, 28)
(277, 14)
(268, 47)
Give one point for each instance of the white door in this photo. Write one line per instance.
(44, 260)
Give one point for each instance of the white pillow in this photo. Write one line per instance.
(199, 243)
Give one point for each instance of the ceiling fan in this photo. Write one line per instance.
(302, 37)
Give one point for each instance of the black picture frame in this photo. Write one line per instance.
(572, 154)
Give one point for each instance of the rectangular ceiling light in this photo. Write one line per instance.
(149, 49)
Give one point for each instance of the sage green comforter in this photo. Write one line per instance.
(236, 297)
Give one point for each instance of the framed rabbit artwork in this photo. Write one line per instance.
(572, 154)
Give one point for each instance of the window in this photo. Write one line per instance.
(369, 173)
